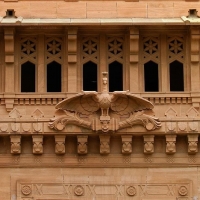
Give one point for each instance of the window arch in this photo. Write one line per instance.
(151, 80)
(176, 76)
(115, 76)
(54, 77)
(28, 77)
(90, 76)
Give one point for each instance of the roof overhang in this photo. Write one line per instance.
(20, 21)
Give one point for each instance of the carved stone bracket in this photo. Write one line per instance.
(170, 144)
(126, 144)
(59, 144)
(104, 144)
(15, 144)
(148, 144)
(9, 45)
(72, 45)
(37, 144)
(192, 144)
(82, 144)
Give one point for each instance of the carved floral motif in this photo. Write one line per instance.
(26, 190)
(126, 144)
(148, 144)
(78, 190)
(82, 144)
(183, 190)
(104, 144)
(131, 191)
(37, 144)
(59, 144)
(192, 144)
(15, 144)
(170, 144)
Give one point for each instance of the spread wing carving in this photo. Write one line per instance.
(84, 103)
(126, 103)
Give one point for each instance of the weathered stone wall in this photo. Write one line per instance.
(99, 9)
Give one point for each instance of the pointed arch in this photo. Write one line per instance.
(54, 77)
(28, 77)
(151, 80)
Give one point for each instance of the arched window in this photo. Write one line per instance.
(54, 77)
(90, 76)
(176, 76)
(115, 76)
(28, 77)
(151, 77)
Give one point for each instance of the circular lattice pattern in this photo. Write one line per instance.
(131, 191)
(26, 190)
(183, 191)
(78, 190)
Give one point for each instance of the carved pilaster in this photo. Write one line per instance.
(82, 144)
(192, 144)
(9, 67)
(134, 59)
(37, 144)
(170, 144)
(126, 144)
(148, 144)
(15, 144)
(72, 60)
(9, 45)
(195, 50)
(104, 144)
(59, 144)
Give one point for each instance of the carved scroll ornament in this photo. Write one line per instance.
(119, 103)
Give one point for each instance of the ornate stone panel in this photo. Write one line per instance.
(54, 49)
(28, 46)
(42, 190)
(115, 48)
(90, 46)
(150, 46)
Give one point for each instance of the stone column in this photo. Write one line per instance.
(134, 60)
(195, 78)
(41, 75)
(9, 68)
(72, 60)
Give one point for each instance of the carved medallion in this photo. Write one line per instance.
(183, 190)
(15, 127)
(26, 127)
(4, 127)
(89, 103)
(78, 190)
(37, 127)
(131, 191)
(193, 126)
(26, 190)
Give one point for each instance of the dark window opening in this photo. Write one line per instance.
(90, 76)
(115, 76)
(28, 77)
(176, 76)
(151, 77)
(53, 77)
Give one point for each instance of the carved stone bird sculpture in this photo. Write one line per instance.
(89, 102)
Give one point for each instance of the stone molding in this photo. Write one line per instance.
(108, 186)
(99, 161)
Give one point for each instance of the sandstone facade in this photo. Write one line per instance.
(104, 144)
